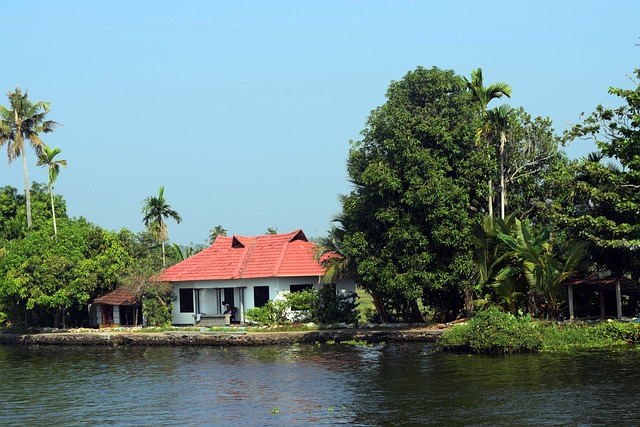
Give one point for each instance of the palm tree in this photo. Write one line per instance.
(482, 96)
(498, 120)
(330, 255)
(155, 211)
(216, 231)
(47, 158)
(24, 120)
(542, 267)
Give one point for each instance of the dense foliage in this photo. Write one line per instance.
(604, 207)
(48, 279)
(493, 331)
(419, 177)
(415, 174)
(321, 306)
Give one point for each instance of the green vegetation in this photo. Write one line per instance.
(417, 233)
(493, 331)
(320, 306)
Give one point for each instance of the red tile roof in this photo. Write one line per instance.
(243, 257)
(117, 297)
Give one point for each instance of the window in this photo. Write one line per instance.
(260, 296)
(186, 300)
(299, 288)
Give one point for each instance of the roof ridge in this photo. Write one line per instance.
(283, 251)
(244, 260)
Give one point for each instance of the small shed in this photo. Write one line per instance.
(605, 285)
(117, 308)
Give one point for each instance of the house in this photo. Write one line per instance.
(117, 308)
(242, 272)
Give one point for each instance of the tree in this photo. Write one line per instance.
(499, 122)
(533, 163)
(483, 96)
(605, 205)
(272, 230)
(415, 176)
(24, 120)
(216, 231)
(42, 280)
(47, 158)
(156, 210)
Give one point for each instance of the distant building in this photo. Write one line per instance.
(117, 308)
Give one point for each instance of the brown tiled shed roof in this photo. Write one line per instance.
(117, 297)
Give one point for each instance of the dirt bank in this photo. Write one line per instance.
(179, 338)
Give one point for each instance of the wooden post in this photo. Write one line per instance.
(601, 304)
(618, 299)
(571, 316)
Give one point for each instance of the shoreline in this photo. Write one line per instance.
(195, 338)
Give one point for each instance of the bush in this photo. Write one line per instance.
(581, 335)
(156, 312)
(330, 308)
(271, 314)
(493, 331)
(322, 306)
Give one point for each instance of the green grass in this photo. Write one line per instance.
(365, 305)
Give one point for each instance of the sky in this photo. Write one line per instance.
(244, 110)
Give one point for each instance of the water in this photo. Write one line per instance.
(385, 385)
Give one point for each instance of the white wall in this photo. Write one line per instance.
(210, 304)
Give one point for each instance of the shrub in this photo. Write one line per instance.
(330, 308)
(581, 335)
(322, 306)
(156, 312)
(493, 331)
(271, 314)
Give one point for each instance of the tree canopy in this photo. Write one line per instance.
(415, 174)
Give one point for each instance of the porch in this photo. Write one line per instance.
(210, 306)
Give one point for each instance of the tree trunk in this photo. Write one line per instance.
(415, 312)
(490, 198)
(503, 194)
(379, 304)
(27, 193)
(53, 212)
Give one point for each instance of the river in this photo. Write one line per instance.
(339, 384)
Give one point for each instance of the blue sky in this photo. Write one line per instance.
(243, 110)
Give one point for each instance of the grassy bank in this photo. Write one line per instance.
(492, 331)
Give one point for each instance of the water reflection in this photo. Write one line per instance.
(313, 385)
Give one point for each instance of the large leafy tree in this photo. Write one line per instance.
(41, 279)
(48, 158)
(535, 168)
(415, 175)
(605, 205)
(156, 210)
(24, 121)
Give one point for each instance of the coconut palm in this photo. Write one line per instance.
(47, 158)
(24, 120)
(216, 231)
(482, 96)
(156, 210)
